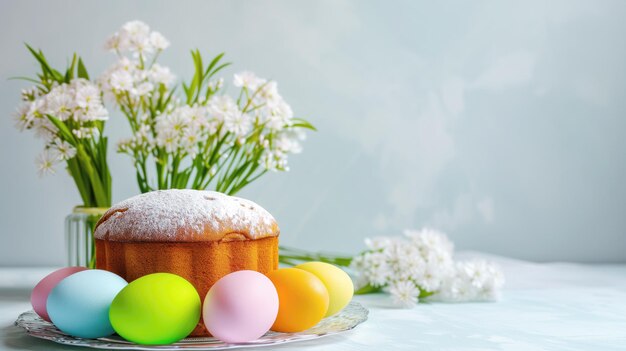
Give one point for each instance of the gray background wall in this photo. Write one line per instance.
(501, 123)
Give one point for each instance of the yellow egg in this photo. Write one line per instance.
(337, 282)
(302, 299)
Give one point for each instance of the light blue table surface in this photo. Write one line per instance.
(550, 306)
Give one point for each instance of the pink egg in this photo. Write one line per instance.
(240, 307)
(39, 296)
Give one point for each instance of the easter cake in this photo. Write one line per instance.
(198, 235)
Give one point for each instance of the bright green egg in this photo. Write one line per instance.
(159, 308)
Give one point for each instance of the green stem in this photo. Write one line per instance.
(100, 194)
(288, 255)
(368, 289)
(81, 183)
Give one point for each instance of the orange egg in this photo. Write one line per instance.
(302, 299)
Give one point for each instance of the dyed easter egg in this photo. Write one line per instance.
(79, 304)
(39, 296)
(338, 283)
(240, 307)
(302, 299)
(159, 308)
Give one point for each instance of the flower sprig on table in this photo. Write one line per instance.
(420, 265)
(414, 267)
(65, 110)
(206, 138)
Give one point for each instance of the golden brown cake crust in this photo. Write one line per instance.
(183, 215)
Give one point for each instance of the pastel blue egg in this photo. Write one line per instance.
(79, 304)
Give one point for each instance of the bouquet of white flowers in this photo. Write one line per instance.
(207, 138)
(420, 265)
(66, 111)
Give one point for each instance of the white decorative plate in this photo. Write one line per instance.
(351, 316)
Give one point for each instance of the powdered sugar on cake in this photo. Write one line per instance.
(185, 215)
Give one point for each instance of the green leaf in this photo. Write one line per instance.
(80, 180)
(213, 63)
(186, 90)
(197, 61)
(69, 73)
(103, 167)
(301, 123)
(196, 81)
(86, 164)
(218, 69)
(63, 129)
(26, 79)
(368, 289)
(45, 68)
(82, 71)
(57, 75)
(424, 293)
(169, 98)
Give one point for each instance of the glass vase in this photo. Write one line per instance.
(79, 227)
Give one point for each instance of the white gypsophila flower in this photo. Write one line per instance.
(121, 80)
(125, 64)
(378, 275)
(198, 118)
(168, 139)
(277, 116)
(238, 123)
(125, 145)
(87, 95)
(44, 129)
(46, 161)
(357, 264)
(143, 132)
(65, 150)
(86, 132)
(377, 269)
(143, 89)
(428, 238)
(59, 103)
(281, 160)
(263, 142)
(439, 256)
(161, 75)
(248, 80)
(431, 278)
(288, 142)
(21, 117)
(216, 84)
(158, 41)
(404, 293)
(97, 113)
(453, 289)
(36, 109)
(268, 160)
(268, 95)
(189, 141)
(220, 106)
(475, 280)
(113, 42)
(135, 29)
(29, 94)
(414, 266)
(135, 37)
